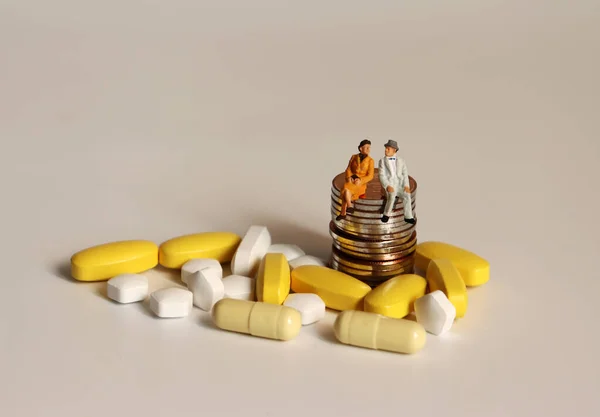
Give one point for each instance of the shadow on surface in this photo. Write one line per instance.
(63, 270)
(325, 332)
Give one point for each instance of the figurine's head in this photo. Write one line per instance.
(391, 147)
(365, 147)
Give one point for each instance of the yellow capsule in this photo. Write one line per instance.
(105, 261)
(210, 245)
(337, 290)
(395, 297)
(257, 319)
(374, 331)
(273, 279)
(474, 270)
(444, 276)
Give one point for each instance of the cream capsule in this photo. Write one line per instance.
(259, 319)
(374, 331)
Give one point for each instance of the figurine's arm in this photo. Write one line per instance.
(370, 173)
(349, 172)
(382, 178)
(405, 180)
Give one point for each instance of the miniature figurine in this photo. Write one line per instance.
(360, 171)
(394, 179)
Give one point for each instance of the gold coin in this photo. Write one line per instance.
(364, 242)
(381, 266)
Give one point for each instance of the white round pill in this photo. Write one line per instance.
(290, 252)
(435, 312)
(127, 288)
(195, 265)
(207, 287)
(310, 306)
(239, 287)
(171, 302)
(306, 260)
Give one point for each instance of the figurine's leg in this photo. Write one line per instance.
(389, 205)
(346, 201)
(407, 202)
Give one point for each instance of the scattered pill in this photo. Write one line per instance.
(473, 269)
(309, 305)
(195, 265)
(273, 279)
(174, 253)
(374, 331)
(105, 261)
(239, 287)
(207, 287)
(257, 319)
(435, 312)
(306, 260)
(339, 291)
(171, 302)
(127, 288)
(251, 251)
(291, 252)
(444, 276)
(395, 297)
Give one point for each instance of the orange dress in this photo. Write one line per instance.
(365, 171)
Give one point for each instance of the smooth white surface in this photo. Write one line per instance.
(311, 306)
(435, 312)
(171, 302)
(289, 250)
(127, 288)
(194, 265)
(207, 287)
(150, 120)
(239, 287)
(251, 250)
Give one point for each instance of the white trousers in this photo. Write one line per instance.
(391, 199)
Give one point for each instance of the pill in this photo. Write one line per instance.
(251, 251)
(339, 291)
(374, 331)
(306, 260)
(273, 279)
(105, 261)
(195, 265)
(290, 251)
(395, 297)
(239, 287)
(207, 287)
(444, 276)
(171, 302)
(174, 253)
(310, 306)
(473, 269)
(257, 319)
(127, 288)
(435, 312)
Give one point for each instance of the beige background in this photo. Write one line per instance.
(148, 120)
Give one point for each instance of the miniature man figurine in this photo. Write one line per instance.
(393, 176)
(360, 171)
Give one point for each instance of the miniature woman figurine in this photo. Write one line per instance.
(360, 171)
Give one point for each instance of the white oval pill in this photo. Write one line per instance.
(290, 252)
(207, 287)
(171, 302)
(306, 260)
(239, 287)
(250, 252)
(435, 312)
(195, 265)
(127, 288)
(310, 306)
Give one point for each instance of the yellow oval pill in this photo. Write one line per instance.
(105, 261)
(273, 279)
(395, 297)
(338, 291)
(257, 319)
(209, 245)
(374, 331)
(474, 270)
(444, 276)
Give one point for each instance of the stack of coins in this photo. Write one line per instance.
(364, 246)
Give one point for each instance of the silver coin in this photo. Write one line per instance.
(373, 211)
(374, 193)
(395, 221)
(364, 202)
(368, 243)
(378, 251)
(381, 237)
(372, 229)
(376, 257)
(363, 265)
(370, 274)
